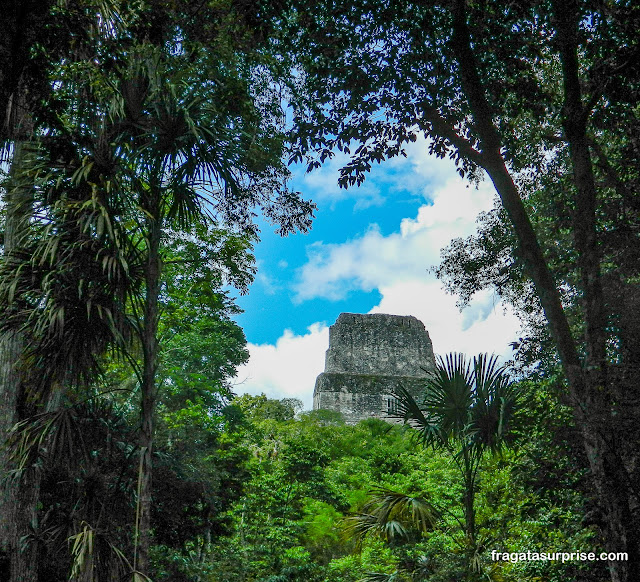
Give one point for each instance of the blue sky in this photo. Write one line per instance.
(369, 251)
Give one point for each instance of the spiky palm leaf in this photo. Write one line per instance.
(392, 516)
(387, 505)
(82, 554)
(53, 433)
(94, 558)
(68, 283)
(495, 403)
(60, 436)
(174, 134)
(472, 403)
(410, 412)
(381, 577)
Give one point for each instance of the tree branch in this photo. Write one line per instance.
(442, 128)
(493, 162)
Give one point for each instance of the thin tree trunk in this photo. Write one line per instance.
(148, 388)
(588, 391)
(469, 497)
(10, 350)
(469, 508)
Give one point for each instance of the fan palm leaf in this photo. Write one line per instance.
(468, 408)
(471, 402)
(495, 403)
(449, 396)
(392, 516)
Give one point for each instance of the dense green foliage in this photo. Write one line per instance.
(311, 478)
(540, 97)
(141, 140)
(154, 128)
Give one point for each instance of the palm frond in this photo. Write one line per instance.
(93, 555)
(473, 403)
(388, 505)
(379, 577)
(392, 516)
(55, 434)
(361, 525)
(449, 395)
(495, 402)
(82, 554)
(67, 287)
(407, 409)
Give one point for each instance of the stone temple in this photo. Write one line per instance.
(368, 357)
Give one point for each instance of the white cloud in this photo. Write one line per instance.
(425, 169)
(287, 369)
(397, 266)
(373, 260)
(290, 367)
(394, 177)
(483, 326)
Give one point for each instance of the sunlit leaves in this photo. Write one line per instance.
(470, 402)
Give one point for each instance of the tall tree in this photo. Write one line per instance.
(183, 149)
(36, 38)
(21, 26)
(193, 134)
(506, 90)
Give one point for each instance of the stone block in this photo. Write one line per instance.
(369, 356)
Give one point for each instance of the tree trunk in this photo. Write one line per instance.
(492, 161)
(469, 498)
(19, 497)
(590, 392)
(23, 556)
(611, 465)
(10, 378)
(470, 510)
(148, 388)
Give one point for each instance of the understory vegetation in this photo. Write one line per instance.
(324, 501)
(260, 491)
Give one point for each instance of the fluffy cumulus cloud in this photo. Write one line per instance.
(373, 260)
(397, 266)
(484, 326)
(287, 369)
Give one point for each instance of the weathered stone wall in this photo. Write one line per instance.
(391, 345)
(369, 356)
(359, 396)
